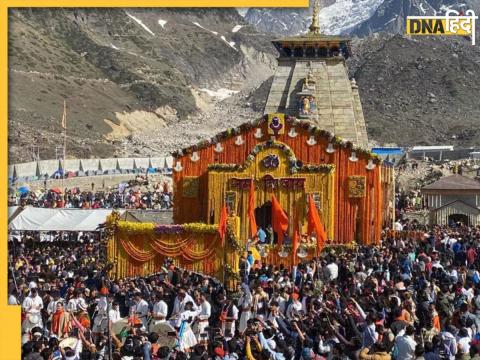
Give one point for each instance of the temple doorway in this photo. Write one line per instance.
(263, 215)
(453, 219)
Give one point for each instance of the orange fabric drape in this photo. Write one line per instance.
(314, 223)
(279, 220)
(251, 210)
(185, 249)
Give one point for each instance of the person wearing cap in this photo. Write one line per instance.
(82, 315)
(32, 306)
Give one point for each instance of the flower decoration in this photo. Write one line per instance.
(299, 124)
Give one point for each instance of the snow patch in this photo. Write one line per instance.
(162, 23)
(140, 22)
(229, 43)
(421, 8)
(201, 27)
(343, 15)
(242, 11)
(391, 20)
(220, 94)
(114, 47)
(237, 28)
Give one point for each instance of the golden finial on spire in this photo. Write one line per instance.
(315, 27)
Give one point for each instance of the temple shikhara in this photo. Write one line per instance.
(301, 175)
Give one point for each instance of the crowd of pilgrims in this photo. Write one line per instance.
(405, 299)
(159, 198)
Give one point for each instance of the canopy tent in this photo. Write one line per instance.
(42, 219)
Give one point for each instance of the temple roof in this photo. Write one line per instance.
(454, 182)
(312, 37)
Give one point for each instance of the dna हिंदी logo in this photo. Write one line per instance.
(453, 23)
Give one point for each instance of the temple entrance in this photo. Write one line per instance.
(263, 215)
(456, 218)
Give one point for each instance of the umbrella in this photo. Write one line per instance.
(163, 329)
(56, 190)
(23, 190)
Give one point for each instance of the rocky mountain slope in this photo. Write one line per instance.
(419, 90)
(122, 72)
(354, 17)
(142, 82)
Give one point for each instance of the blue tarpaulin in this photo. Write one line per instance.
(387, 151)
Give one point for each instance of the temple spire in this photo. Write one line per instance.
(315, 27)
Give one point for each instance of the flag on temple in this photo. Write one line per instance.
(279, 220)
(251, 210)
(64, 116)
(222, 225)
(314, 223)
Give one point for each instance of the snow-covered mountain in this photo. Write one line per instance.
(355, 17)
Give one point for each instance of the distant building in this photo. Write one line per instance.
(452, 199)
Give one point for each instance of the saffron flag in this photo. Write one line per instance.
(251, 210)
(279, 220)
(314, 223)
(222, 225)
(64, 116)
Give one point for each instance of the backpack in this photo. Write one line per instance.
(446, 347)
(394, 352)
(476, 277)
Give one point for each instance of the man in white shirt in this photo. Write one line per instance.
(73, 303)
(205, 311)
(32, 306)
(52, 305)
(294, 308)
(406, 345)
(331, 270)
(398, 226)
(100, 322)
(181, 299)
(140, 308)
(114, 313)
(160, 310)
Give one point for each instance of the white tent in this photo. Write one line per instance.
(43, 219)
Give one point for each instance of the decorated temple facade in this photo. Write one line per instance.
(310, 144)
(289, 158)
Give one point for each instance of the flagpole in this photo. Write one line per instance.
(64, 123)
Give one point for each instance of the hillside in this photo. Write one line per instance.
(142, 82)
(122, 72)
(422, 90)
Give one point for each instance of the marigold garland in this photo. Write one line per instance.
(304, 124)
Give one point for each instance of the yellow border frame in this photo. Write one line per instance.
(10, 334)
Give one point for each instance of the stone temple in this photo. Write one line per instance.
(311, 82)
